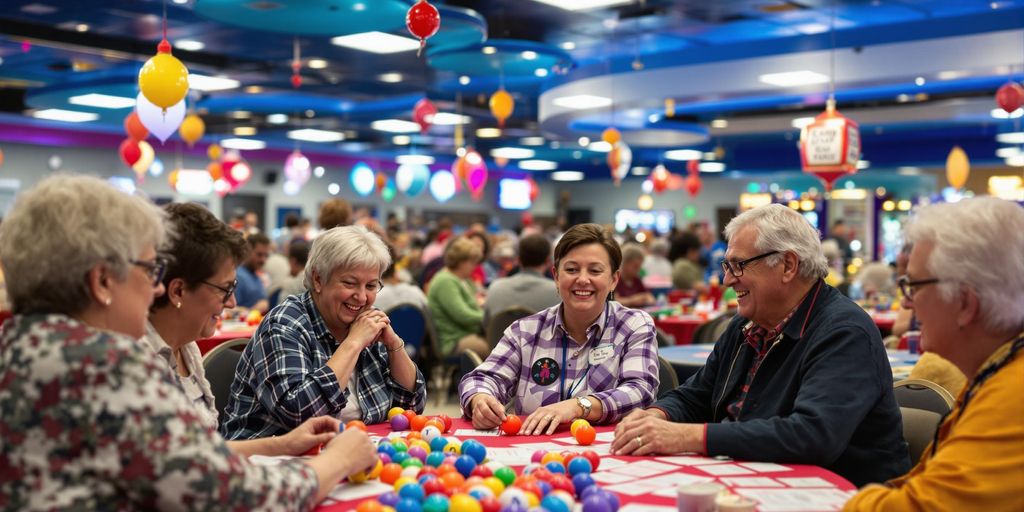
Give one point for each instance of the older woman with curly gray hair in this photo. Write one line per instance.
(327, 351)
(79, 388)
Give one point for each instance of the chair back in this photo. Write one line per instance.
(468, 361)
(501, 320)
(664, 339)
(919, 428)
(219, 365)
(667, 377)
(923, 394)
(411, 324)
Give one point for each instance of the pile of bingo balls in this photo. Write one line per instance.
(432, 473)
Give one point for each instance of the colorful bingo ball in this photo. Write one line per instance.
(430, 432)
(538, 456)
(437, 444)
(435, 486)
(507, 475)
(552, 457)
(495, 484)
(465, 465)
(585, 435)
(453, 447)
(386, 449)
(403, 481)
(412, 491)
(555, 467)
(511, 425)
(390, 473)
(435, 503)
(554, 504)
(418, 422)
(579, 465)
(369, 506)
(474, 449)
(409, 413)
(412, 462)
(452, 481)
(356, 424)
(447, 422)
(581, 482)
(389, 499)
(514, 495)
(464, 503)
(490, 504)
(400, 445)
(408, 505)
(418, 452)
(399, 457)
(435, 459)
(576, 424)
(363, 476)
(394, 411)
(597, 502)
(593, 457)
(563, 483)
(399, 423)
(482, 471)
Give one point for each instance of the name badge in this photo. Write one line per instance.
(601, 354)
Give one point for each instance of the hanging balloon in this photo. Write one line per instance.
(130, 152)
(526, 218)
(388, 192)
(362, 179)
(422, 20)
(296, 80)
(675, 181)
(214, 151)
(693, 166)
(670, 107)
(239, 173)
(501, 161)
(146, 157)
(1, 157)
(611, 135)
(693, 184)
(477, 181)
(172, 179)
(192, 129)
(830, 146)
(161, 123)
(659, 178)
(157, 167)
(296, 168)
(411, 179)
(1010, 96)
(380, 182)
(620, 159)
(163, 79)
(460, 168)
(442, 186)
(133, 127)
(534, 189)
(958, 167)
(423, 113)
(214, 168)
(502, 106)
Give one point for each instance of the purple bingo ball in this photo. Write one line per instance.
(581, 482)
(418, 452)
(538, 456)
(389, 499)
(384, 458)
(613, 500)
(399, 423)
(545, 488)
(597, 502)
(515, 506)
(589, 490)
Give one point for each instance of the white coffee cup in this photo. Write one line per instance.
(698, 497)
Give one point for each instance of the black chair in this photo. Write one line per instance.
(922, 404)
(219, 365)
(411, 323)
(668, 379)
(501, 320)
(664, 339)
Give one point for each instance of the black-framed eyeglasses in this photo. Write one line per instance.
(907, 287)
(227, 291)
(154, 269)
(736, 268)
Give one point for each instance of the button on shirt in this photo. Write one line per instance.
(621, 351)
(283, 378)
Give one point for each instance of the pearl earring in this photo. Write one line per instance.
(106, 301)
(178, 305)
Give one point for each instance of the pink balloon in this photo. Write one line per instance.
(423, 113)
(159, 123)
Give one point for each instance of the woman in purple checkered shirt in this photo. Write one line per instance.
(584, 358)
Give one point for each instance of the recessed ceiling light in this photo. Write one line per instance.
(863, 164)
(793, 78)
(908, 170)
(464, 80)
(513, 153)
(376, 42)
(1011, 138)
(70, 116)
(395, 126)
(583, 141)
(488, 133)
(358, 7)
(582, 5)
(640, 171)
(599, 146)
(82, 27)
(489, 50)
(314, 135)
(245, 144)
(414, 160)
(538, 165)
(919, 81)
(568, 45)
(189, 45)
(401, 140)
(244, 131)
(711, 167)
(448, 119)
(253, 89)
(102, 101)
(532, 141)
(719, 123)
(37, 8)
(540, 72)
(529, 55)
(567, 176)
(999, 113)
(240, 114)
(317, 63)
(277, 118)
(391, 78)
(801, 122)
(951, 75)
(1008, 152)
(211, 83)
(683, 154)
(582, 101)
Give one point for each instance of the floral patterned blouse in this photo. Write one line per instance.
(93, 420)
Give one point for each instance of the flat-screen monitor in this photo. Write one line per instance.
(513, 194)
(659, 221)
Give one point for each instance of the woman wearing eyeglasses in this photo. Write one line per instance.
(93, 419)
(965, 284)
(327, 351)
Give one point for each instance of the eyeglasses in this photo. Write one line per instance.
(371, 287)
(154, 269)
(228, 292)
(736, 269)
(907, 286)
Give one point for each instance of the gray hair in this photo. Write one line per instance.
(780, 228)
(632, 252)
(62, 228)
(978, 244)
(347, 247)
(659, 247)
(830, 248)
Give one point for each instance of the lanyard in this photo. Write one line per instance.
(582, 378)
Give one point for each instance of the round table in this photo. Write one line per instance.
(228, 331)
(687, 359)
(667, 470)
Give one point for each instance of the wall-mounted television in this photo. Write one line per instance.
(513, 194)
(659, 221)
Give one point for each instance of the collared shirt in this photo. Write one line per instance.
(250, 288)
(618, 364)
(195, 386)
(758, 338)
(94, 420)
(283, 378)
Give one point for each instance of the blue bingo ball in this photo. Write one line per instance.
(545, 488)
(465, 465)
(555, 467)
(553, 504)
(435, 459)
(582, 482)
(388, 449)
(411, 491)
(515, 506)
(407, 505)
(426, 478)
(474, 449)
(436, 502)
(579, 465)
(438, 444)
(389, 499)
(399, 457)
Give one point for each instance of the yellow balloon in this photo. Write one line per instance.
(611, 136)
(142, 165)
(502, 105)
(192, 129)
(214, 151)
(957, 167)
(163, 79)
(172, 179)
(215, 170)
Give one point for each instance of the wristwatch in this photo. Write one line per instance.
(584, 404)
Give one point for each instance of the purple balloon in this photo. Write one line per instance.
(161, 124)
(399, 422)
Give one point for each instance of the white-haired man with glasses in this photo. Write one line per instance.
(800, 375)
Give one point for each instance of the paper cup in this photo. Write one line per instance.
(734, 503)
(698, 497)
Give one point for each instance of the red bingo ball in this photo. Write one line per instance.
(511, 425)
(593, 457)
(447, 422)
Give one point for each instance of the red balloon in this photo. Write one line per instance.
(693, 184)
(527, 219)
(1010, 96)
(423, 113)
(693, 166)
(423, 20)
(130, 152)
(296, 81)
(134, 128)
(534, 189)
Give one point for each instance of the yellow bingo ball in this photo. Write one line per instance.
(422, 444)
(394, 411)
(532, 499)
(576, 424)
(495, 485)
(453, 447)
(377, 468)
(403, 481)
(552, 457)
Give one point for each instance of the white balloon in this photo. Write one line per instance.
(142, 165)
(442, 186)
(160, 124)
(625, 160)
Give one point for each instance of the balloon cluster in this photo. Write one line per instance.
(432, 473)
(471, 168)
(228, 170)
(620, 159)
(135, 151)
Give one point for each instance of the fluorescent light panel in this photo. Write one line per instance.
(70, 116)
(488, 133)
(583, 5)
(683, 154)
(793, 78)
(238, 143)
(538, 165)
(513, 153)
(414, 160)
(314, 135)
(211, 83)
(448, 119)
(711, 167)
(999, 113)
(102, 101)
(376, 42)
(277, 118)
(532, 141)
(189, 45)
(395, 126)
(1011, 138)
(567, 176)
(582, 101)
(599, 146)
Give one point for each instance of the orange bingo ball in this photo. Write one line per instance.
(409, 414)
(371, 505)
(417, 423)
(414, 435)
(511, 425)
(356, 424)
(452, 480)
(435, 422)
(585, 435)
(390, 472)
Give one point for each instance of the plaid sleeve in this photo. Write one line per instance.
(499, 375)
(287, 381)
(638, 369)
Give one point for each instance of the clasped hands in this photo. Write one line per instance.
(488, 413)
(371, 326)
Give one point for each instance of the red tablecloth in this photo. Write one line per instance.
(206, 345)
(795, 471)
(681, 327)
